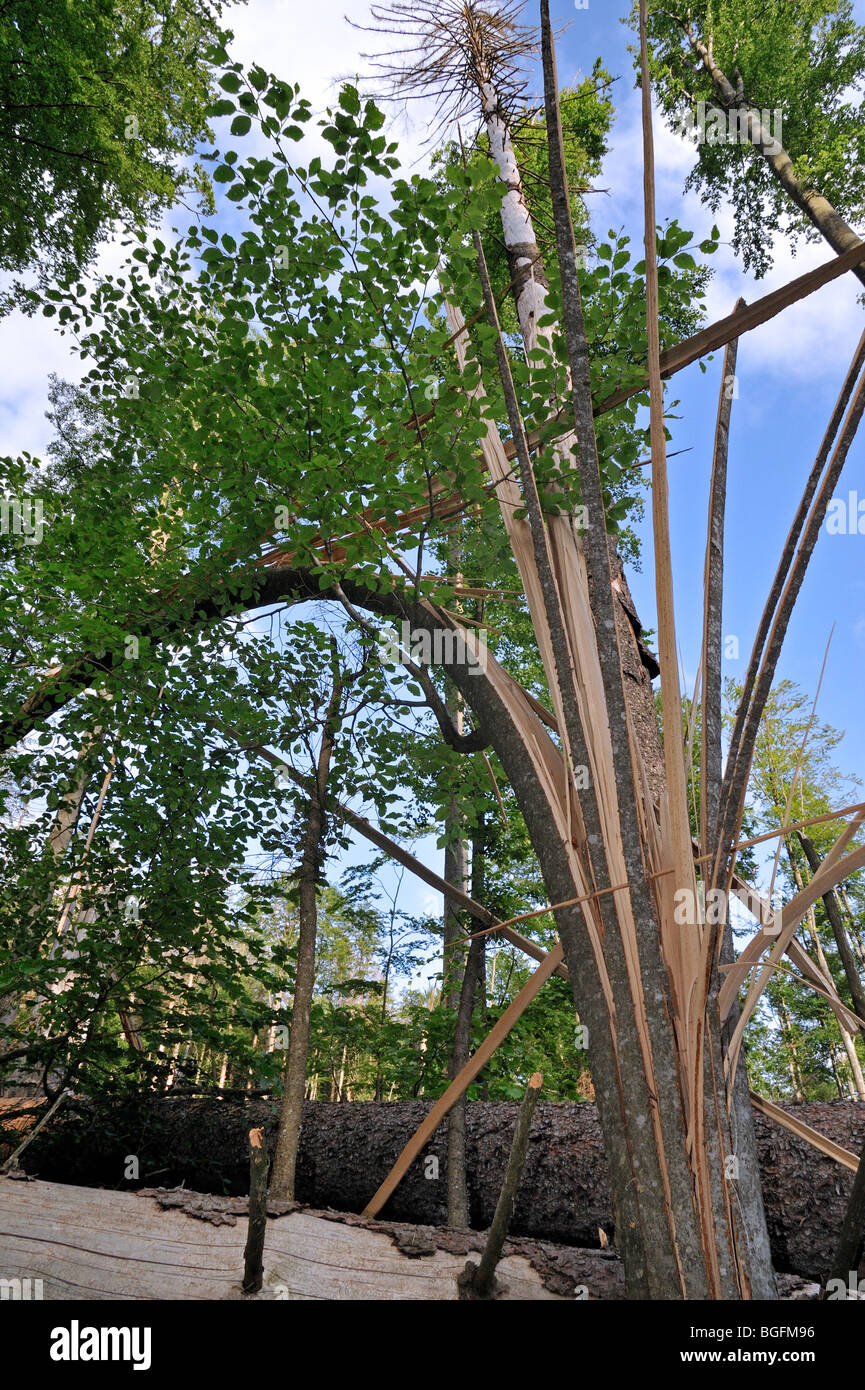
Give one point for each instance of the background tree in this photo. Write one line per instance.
(101, 108)
(793, 778)
(802, 59)
(274, 454)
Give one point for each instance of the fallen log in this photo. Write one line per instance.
(347, 1149)
(64, 1242)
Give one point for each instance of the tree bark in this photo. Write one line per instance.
(711, 767)
(285, 1158)
(80, 1243)
(458, 1199)
(346, 1150)
(253, 1266)
(848, 1255)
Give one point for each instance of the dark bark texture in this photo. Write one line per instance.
(346, 1151)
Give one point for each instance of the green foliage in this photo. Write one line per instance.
(101, 104)
(254, 388)
(803, 58)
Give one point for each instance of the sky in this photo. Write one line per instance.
(789, 370)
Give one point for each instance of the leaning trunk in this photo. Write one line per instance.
(810, 201)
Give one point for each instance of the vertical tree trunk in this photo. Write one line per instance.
(291, 1113)
(713, 578)
(850, 1243)
(456, 858)
(792, 1055)
(253, 1267)
(382, 1019)
(458, 1201)
(285, 1158)
(456, 873)
(459, 1216)
(479, 893)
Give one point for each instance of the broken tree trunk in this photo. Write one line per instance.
(253, 1265)
(480, 1279)
(285, 1158)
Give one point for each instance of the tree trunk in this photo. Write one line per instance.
(676, 1242)
(285, 1157)
(818, 210)
(346, 1151)
(857, 1084)
(458, 1201)
(76, 1243)
(455, 859)
(792, 1056)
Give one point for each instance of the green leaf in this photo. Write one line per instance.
(349, 99)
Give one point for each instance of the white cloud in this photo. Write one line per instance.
(314, 44)
(318, 48)
(30, 352)
(32, 349)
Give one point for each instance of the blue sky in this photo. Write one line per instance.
(789, 370)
